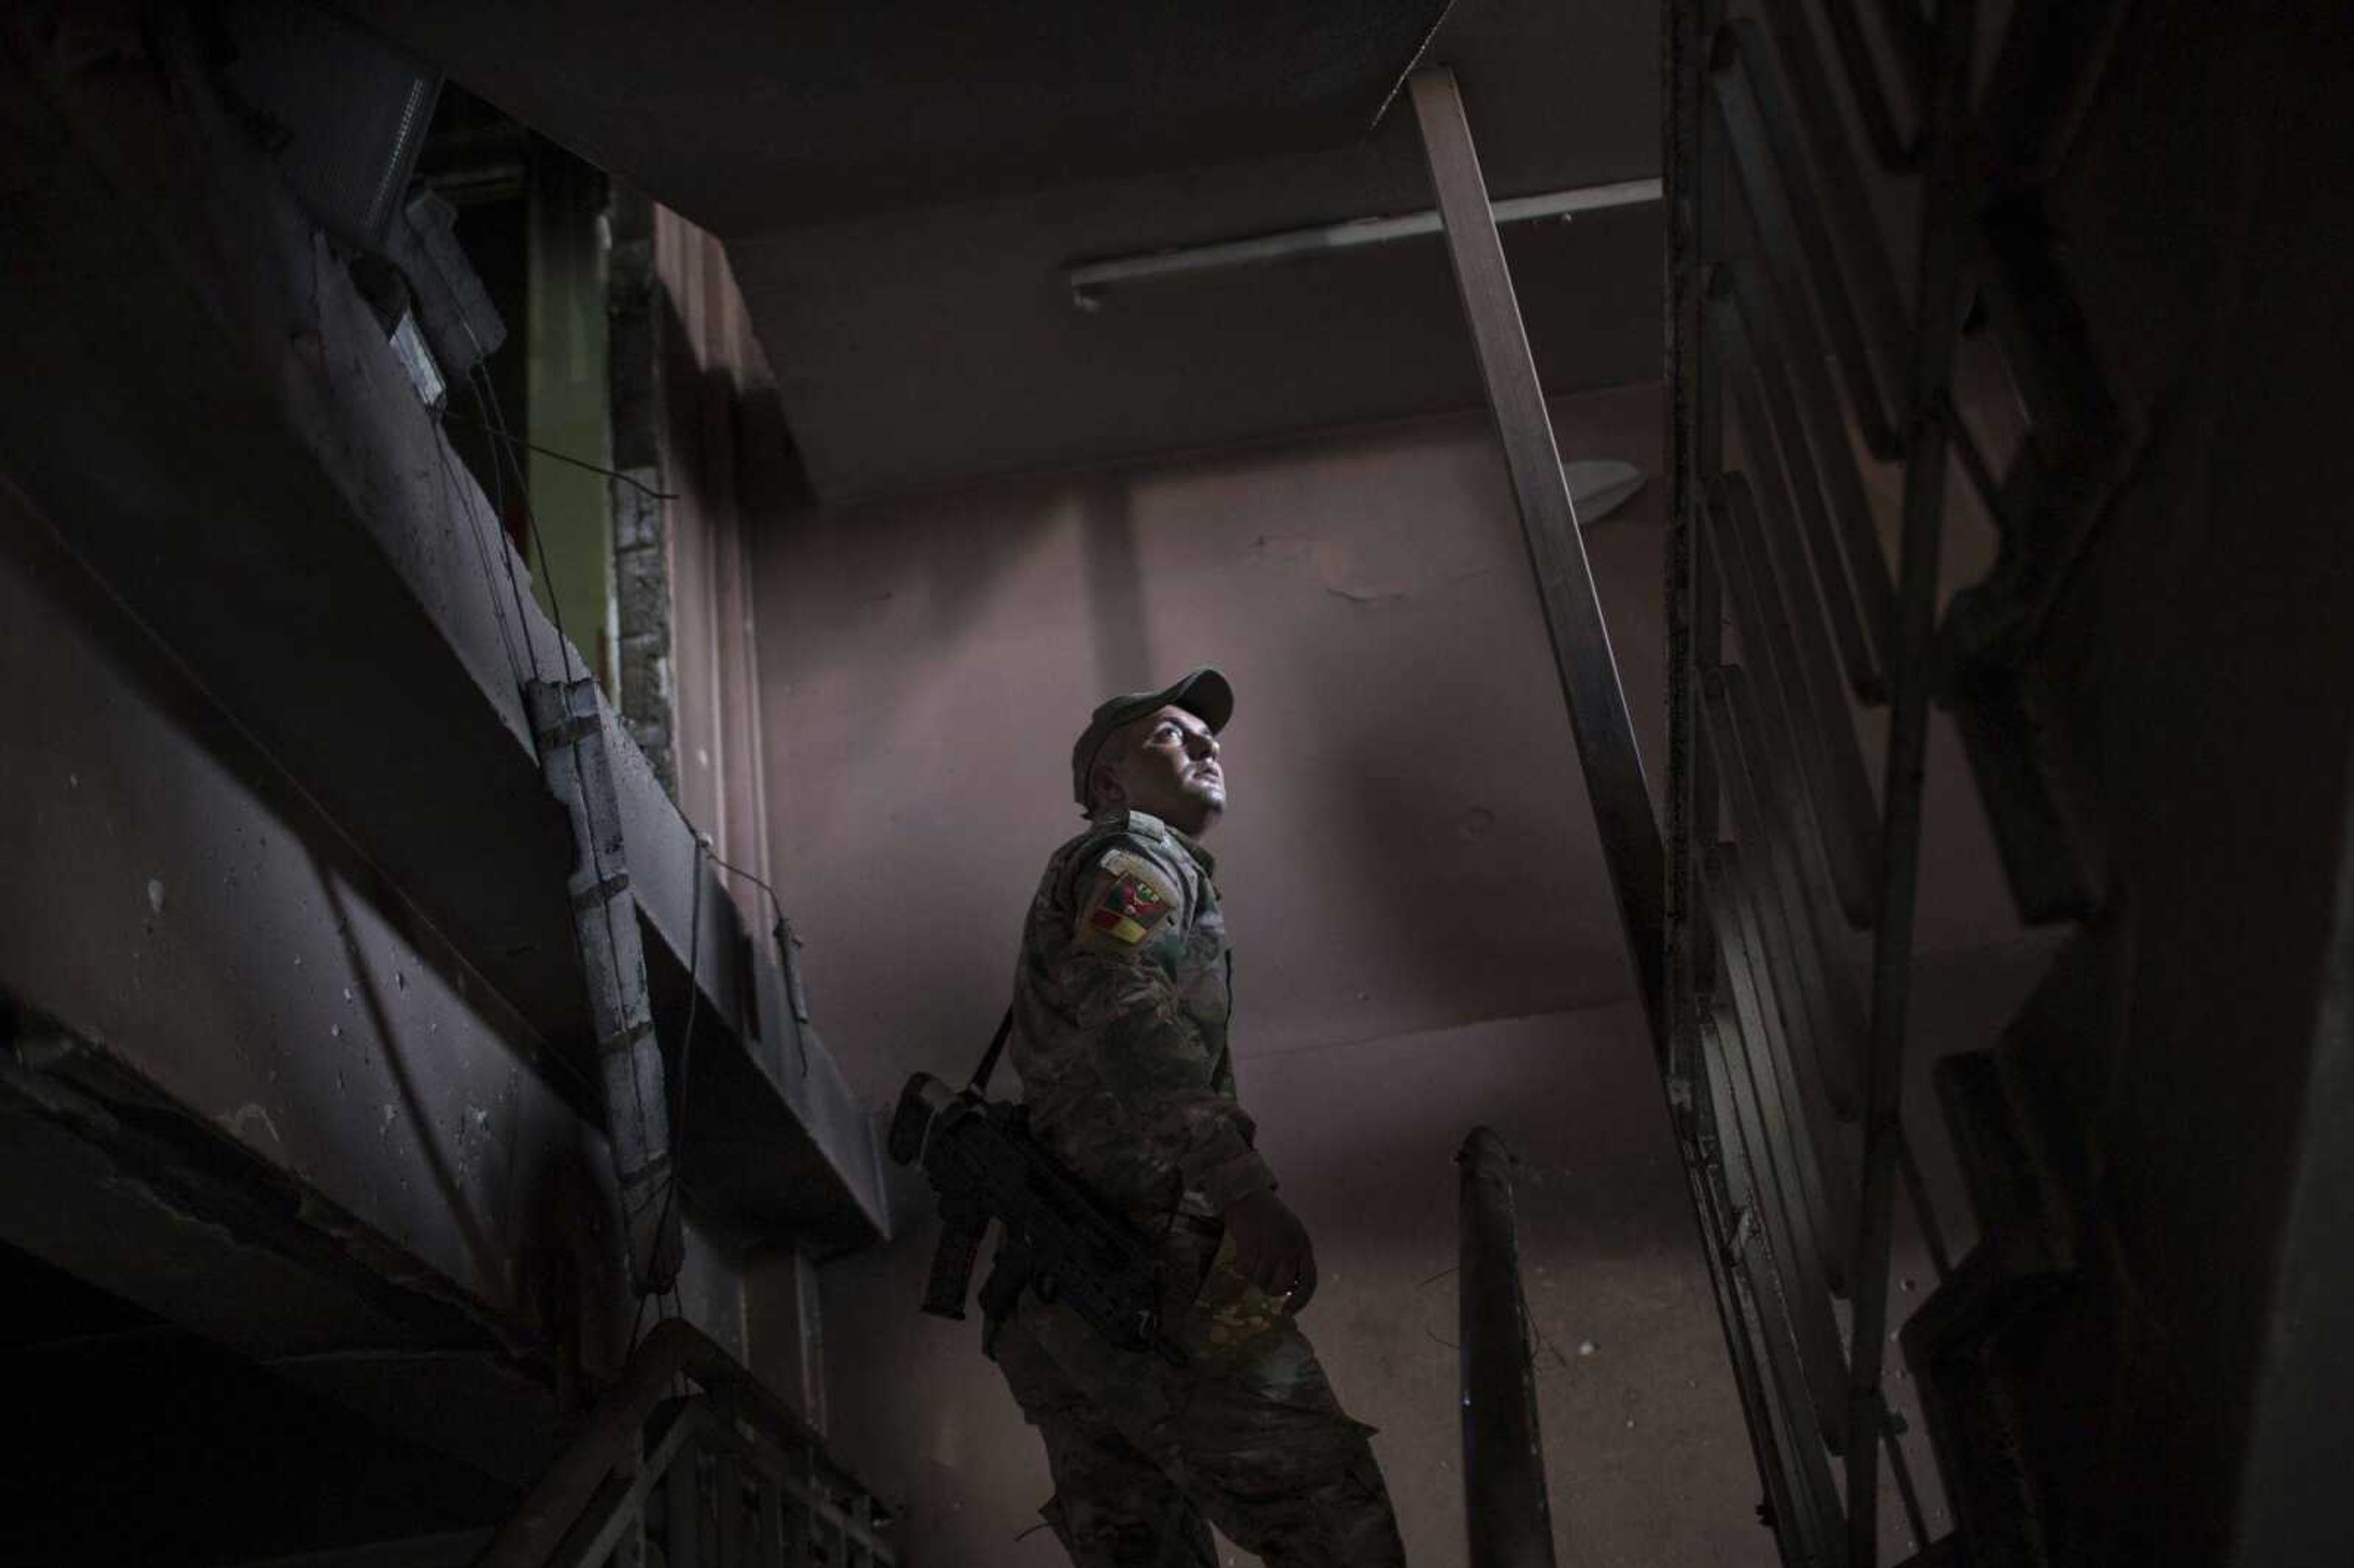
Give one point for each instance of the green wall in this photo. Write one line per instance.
(569, 403)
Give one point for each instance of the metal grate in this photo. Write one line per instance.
(691, 1462)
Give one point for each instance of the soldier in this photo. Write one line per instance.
(1122, 1001)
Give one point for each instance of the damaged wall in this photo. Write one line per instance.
(287, 887)
(1423, 936)
(238, 1010)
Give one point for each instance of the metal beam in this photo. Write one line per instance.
(1506, 1511)
(1573, 610)
(1942, 271)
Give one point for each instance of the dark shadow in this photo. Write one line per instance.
(254, 1033)
(29, 545)
(222, 1463)
(430, 1127)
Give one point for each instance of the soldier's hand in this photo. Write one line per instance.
(1271, 1247)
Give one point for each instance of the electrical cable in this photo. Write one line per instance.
(679, 1380)
(671, 1181)
(450, 491)
(637, 1324)
(783, 934)
(647, 490)
(506, 556)
(485, 394)
(580, 1080)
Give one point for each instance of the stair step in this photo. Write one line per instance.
(2057, 1059)
(2006, 1188)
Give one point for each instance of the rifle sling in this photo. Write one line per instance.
(979, 1084)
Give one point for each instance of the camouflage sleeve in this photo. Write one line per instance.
(1173, 1081)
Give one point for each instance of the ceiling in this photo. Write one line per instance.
(900, 188)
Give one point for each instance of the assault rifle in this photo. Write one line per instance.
(1061, 1240)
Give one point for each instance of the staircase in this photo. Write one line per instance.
(1921, 277)
(1795, 872)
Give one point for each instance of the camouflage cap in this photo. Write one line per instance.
(1204, 692)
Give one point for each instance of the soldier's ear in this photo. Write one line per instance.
(1105, 786)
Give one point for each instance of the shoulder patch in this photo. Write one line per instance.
(1131, 903)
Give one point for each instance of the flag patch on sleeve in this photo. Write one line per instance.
(1128, 909)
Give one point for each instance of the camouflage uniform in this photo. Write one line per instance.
(1121, 1003)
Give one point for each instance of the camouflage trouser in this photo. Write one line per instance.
(1142, 1451)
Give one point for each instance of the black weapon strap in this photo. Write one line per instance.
(979, 1084)
(1013, 1272)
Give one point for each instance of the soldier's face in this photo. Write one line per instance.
(1171, 771)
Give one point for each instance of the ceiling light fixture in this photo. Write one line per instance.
(1088, 280)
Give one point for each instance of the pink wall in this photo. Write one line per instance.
(1398, 758)
(1425, 937)
(1409, 846)
(719, 437)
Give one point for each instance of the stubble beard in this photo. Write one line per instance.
(1210, 796)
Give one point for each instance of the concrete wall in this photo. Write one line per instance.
(1424, 939)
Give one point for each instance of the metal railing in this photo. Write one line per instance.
(1794, 871)
(689, 1461)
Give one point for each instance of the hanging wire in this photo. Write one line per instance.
(452, 490)
(506, 552)
(612, 473)
(783, 933)
(485, 396)
(638, 1323)
(494, 422)
(680, 1382)
(671, 1181)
